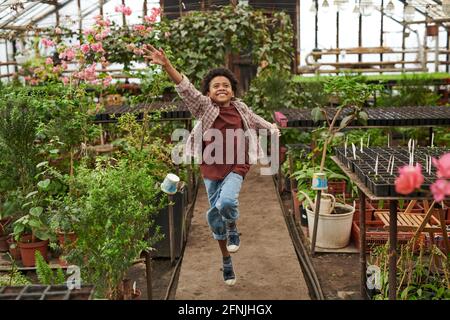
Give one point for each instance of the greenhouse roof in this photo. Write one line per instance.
(19, 14)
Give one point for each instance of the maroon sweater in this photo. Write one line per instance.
(228, 118)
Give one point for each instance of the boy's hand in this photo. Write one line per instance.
(155, 56)
(275, 129)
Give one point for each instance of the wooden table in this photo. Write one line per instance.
(391, 220)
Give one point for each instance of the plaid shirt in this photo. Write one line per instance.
(206, 111)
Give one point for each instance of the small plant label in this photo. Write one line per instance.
(74, 280)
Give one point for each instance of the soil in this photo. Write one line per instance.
(161, 275)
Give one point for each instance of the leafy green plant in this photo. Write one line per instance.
(116, 204)
(45, 274)
(419, 276)
(351, 94)
(14, 277)
(18, 132)
(37, 221)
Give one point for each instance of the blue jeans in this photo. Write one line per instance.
(223, 201)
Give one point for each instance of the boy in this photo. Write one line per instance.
(217, 108)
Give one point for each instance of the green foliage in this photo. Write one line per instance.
(14, 277)
(51, 184)
(201, 40)
(18, 151)
(272, 90)
(410, 91)
(45, 274)
(419, 276)
(116, 204)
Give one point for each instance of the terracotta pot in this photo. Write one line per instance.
(13, 248)
(66, 238)
(28, 249)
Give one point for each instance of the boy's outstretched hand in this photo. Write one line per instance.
(155, 56)
(275, 130)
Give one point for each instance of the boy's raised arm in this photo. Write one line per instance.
(192, 98)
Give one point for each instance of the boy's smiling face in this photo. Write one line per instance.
(220, 90)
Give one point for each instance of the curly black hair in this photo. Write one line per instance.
(216, 73)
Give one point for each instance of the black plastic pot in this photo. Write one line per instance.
(162, 219)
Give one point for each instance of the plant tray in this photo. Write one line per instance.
(43, 292)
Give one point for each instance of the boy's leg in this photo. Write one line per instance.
(222, 197)
(228, 207)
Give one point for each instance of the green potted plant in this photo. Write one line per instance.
(32, 233)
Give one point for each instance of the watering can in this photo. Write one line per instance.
(327, 203)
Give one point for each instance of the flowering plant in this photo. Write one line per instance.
(410, 178)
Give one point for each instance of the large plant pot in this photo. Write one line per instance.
(28, 249)
(333, 230)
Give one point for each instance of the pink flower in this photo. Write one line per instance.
(410, 179)
(65, 80)
(440, 189)
(150, 19)
(443, 166)
(56, 69)
(49, 61)
(167, 34)
(107, 81)
(122, 8)
(47, 42)
(64, 65)
(139, 27)
(88, 31)
(149, 29)
(97, 47)
(85, 48)
(58, 30)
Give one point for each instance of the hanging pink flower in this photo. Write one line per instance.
(443, 166)
(56, 69)
(85, 48)
(47, 42)
(123, 9)
(410, 179)
(64, 65)
(440, 189)
(49, 61)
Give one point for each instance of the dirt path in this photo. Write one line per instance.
(266, 265)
